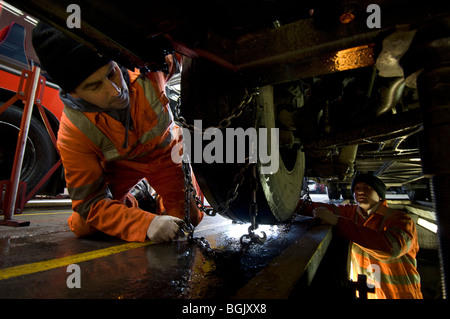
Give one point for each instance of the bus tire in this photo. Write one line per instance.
(40, 154)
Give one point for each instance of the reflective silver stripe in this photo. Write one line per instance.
(405, 279)
(82, 192)
(92, 192)
(107, 147)
(164, 116)
(84, 208)
(161, 145)
(167, 140)
(397, 251)
(396, 247)
(383, 278)
(97, 137)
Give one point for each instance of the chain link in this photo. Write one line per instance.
(307, 201)
(252, 237)
(306, 198)
(190, 192)
(232, 194)
(247, 239)
(224, 123)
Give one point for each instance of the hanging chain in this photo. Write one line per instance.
(307, 201)
(306, 198)
(188, 227)
(190, 191)
(252, 237)
(224, 123)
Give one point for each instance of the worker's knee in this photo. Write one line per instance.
(79, 226)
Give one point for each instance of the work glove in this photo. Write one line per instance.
(164, 228)
(325, 215)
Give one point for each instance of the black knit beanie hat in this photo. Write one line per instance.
(373, 182)
(66, 61)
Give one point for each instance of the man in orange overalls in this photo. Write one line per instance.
(383, 241)
(116, 130)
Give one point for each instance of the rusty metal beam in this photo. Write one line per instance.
(381, 129)
(262, 54)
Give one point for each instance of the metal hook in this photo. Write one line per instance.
(255, 237)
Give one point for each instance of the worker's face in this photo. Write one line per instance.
(365, 196)
(105, 88)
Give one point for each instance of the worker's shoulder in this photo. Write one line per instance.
(66, 124)
(393, 213)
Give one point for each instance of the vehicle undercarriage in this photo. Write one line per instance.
(348, 93)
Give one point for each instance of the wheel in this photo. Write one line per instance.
(40, 155)
(282, 190)
(210, 93)
(333, 191)
(346, 192)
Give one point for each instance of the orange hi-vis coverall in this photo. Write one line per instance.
(100, 169)
(383, 246)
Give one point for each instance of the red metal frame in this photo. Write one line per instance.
(50, 100)
(30, 91)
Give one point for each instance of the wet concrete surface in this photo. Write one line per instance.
(178, 270)
(167, 271)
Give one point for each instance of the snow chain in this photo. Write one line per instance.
(224, 123)
(247, 239)
(307, 201)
